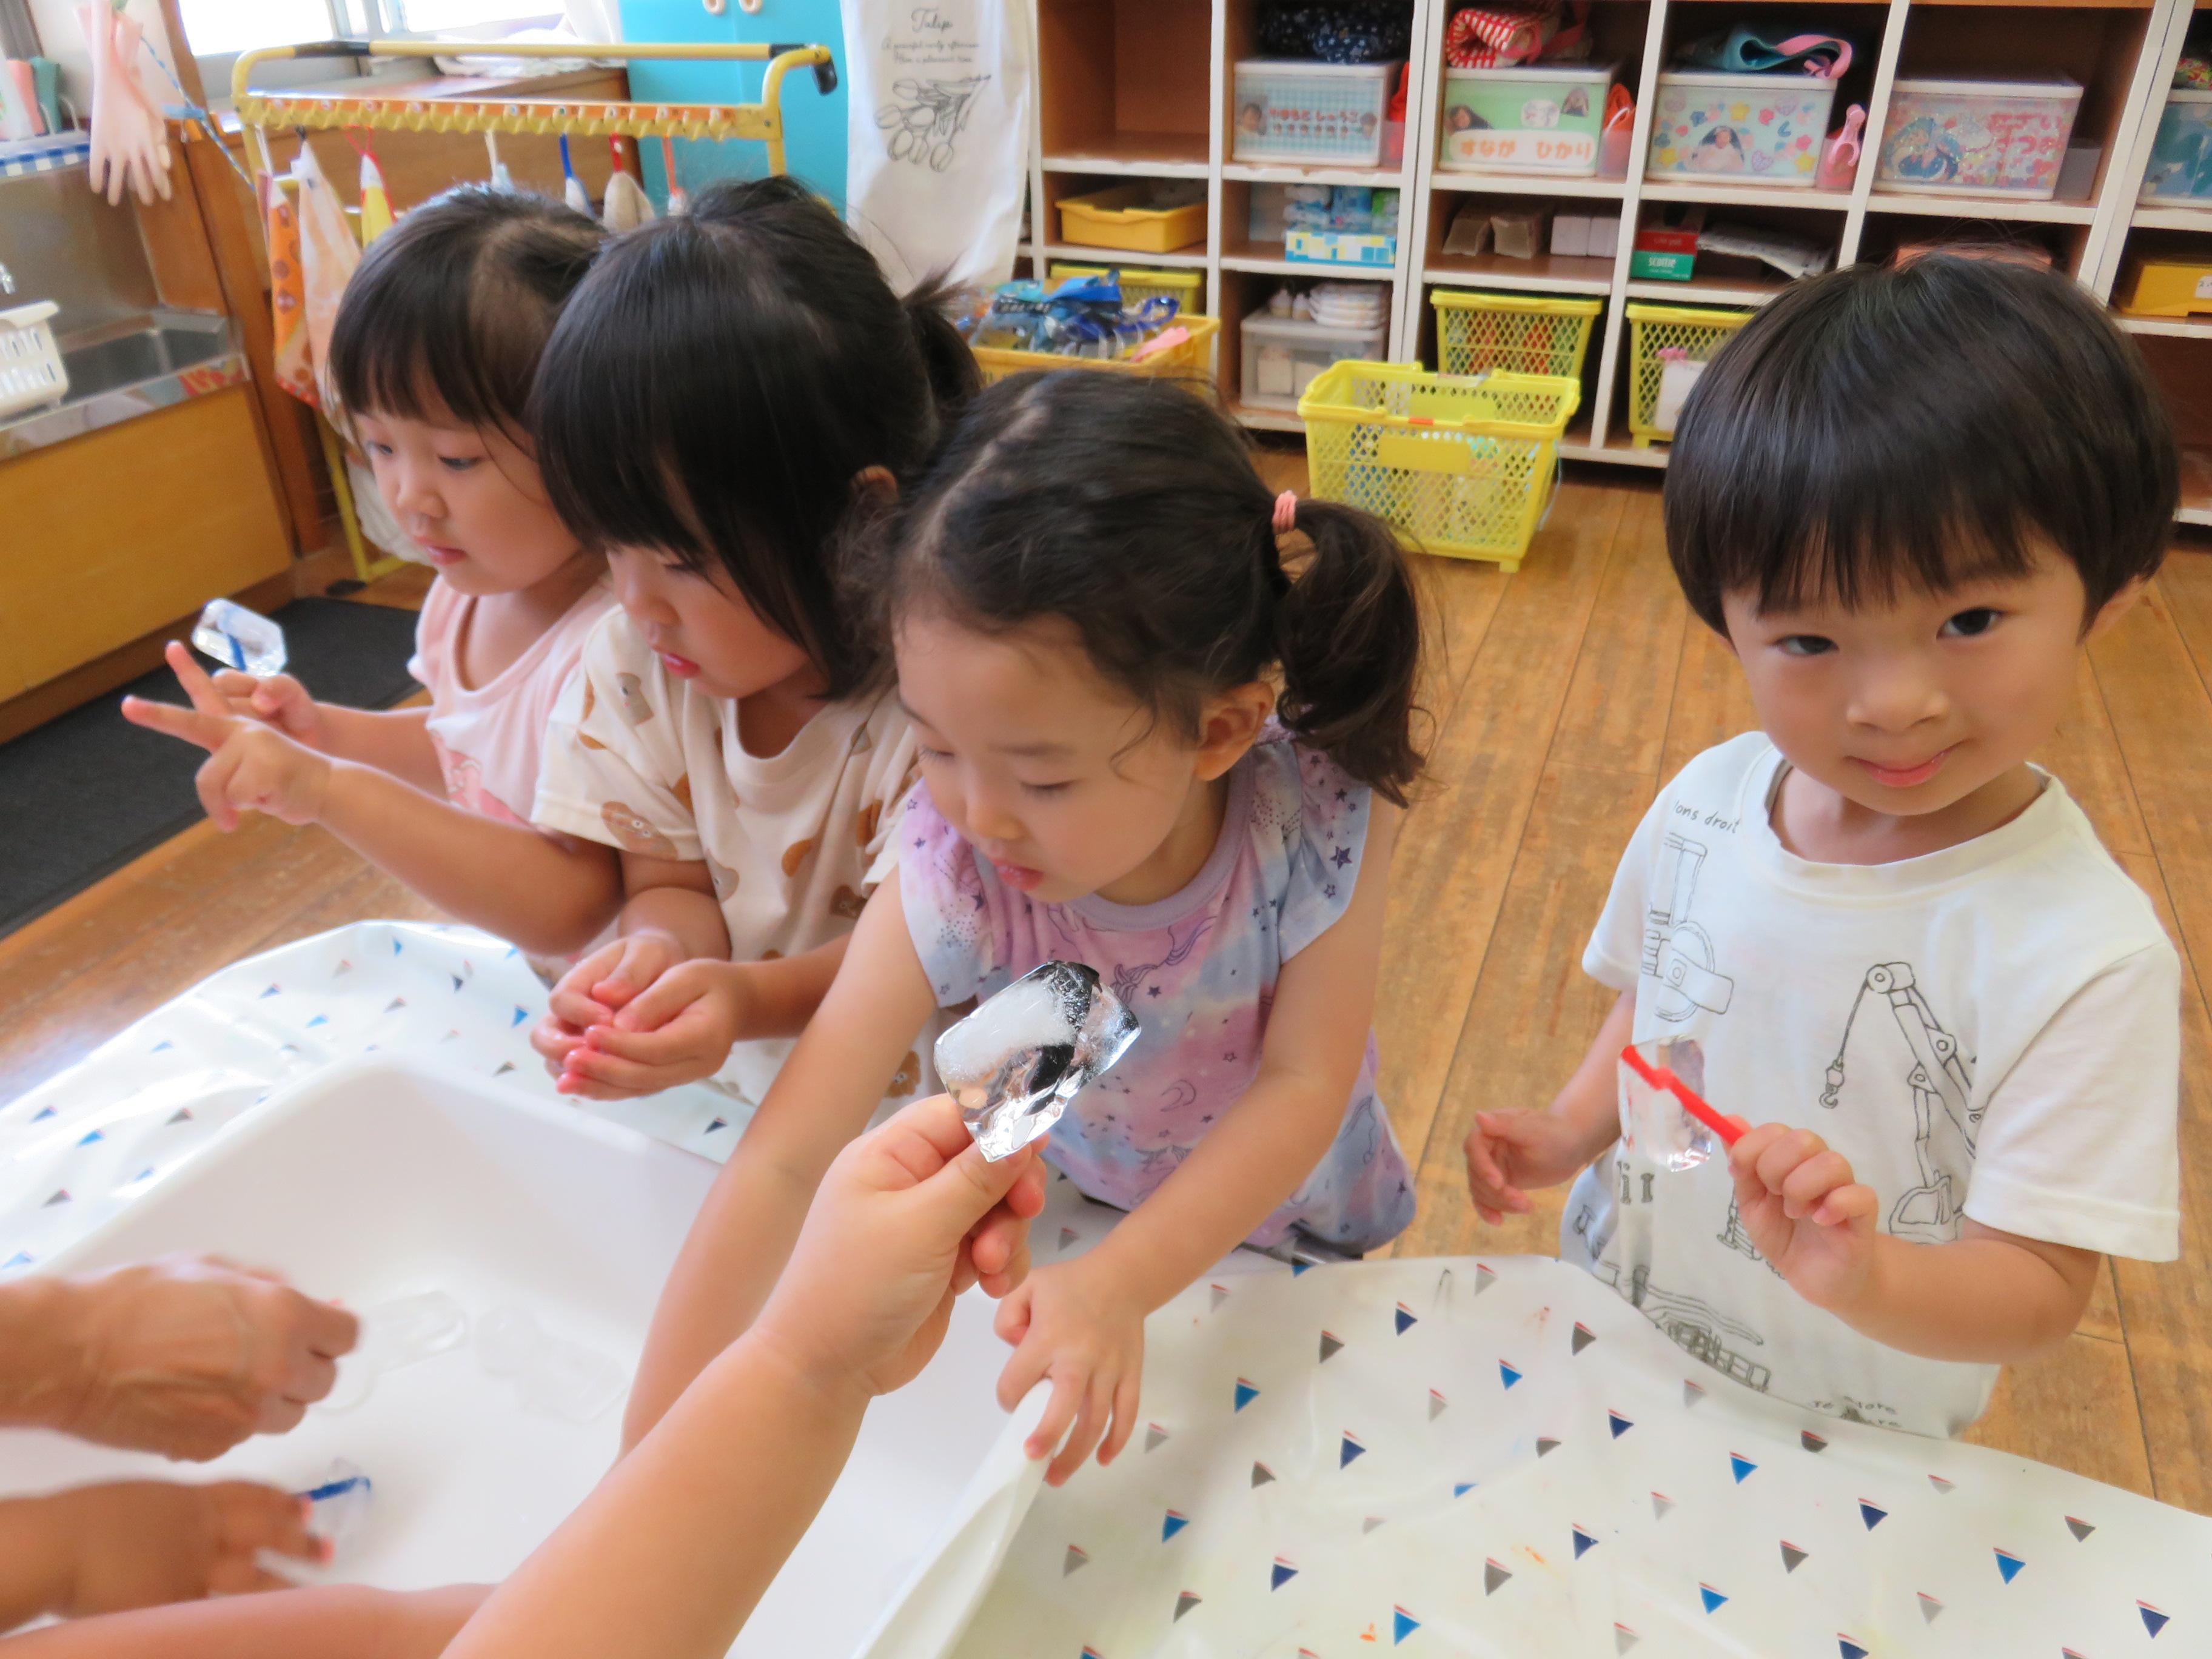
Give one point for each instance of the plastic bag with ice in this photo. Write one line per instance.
(1015, 1063)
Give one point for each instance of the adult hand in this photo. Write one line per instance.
(188, 1357)
(908, 1216)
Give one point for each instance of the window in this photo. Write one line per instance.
(220, 27)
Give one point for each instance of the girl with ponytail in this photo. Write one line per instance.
(1151, 745)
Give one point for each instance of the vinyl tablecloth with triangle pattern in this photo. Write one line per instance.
(1464, 1457)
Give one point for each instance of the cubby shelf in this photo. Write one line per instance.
(1738, 291)
(1076, 254)
(1547, 273)
(1999, 208)
(2151, 218)
(1529, 183)
(1144, 88)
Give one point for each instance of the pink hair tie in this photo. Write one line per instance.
(1286, 512)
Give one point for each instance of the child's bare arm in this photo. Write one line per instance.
(823, 1097)
(548, 893)
(1081, 1323)
(1510, 1152)
(1988, 1298)
(126, 1544)
(333, 1621)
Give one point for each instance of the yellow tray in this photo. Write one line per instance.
(1114, 218)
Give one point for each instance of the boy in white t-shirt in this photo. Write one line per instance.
(1907, 499)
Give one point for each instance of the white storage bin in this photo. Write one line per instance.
(1979, 138)
(1750, 129)
(1282, 355)
(1311, 114)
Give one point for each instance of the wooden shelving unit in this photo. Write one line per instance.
(1111, 106)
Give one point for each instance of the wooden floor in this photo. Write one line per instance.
(1561, 697)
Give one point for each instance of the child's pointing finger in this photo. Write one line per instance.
(194, 725)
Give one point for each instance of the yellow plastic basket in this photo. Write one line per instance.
(1462, 467)
(1658, 335)
(1181, 286)
(1192, 356)
(1521, 333)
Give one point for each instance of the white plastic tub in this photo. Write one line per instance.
(1977, 137)
(373, 1181)
(1746, 129)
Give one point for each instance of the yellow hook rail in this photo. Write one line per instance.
(259, 111)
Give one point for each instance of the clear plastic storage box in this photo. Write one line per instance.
(1751, 129)
(2181, 155)
(1331, 114)
(1282, 355)
(1979, 138)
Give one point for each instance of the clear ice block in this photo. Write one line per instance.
(1015, 1063)
(393, 1334)
(239, 638)
(339, 1504)
(1653, 1122)
(552, 1376)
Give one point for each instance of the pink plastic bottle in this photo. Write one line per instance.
(1839, 156)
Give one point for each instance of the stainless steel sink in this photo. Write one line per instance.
(132, 367)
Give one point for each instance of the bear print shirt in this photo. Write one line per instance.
(641, 760)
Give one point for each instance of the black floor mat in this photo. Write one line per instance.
(88, 793)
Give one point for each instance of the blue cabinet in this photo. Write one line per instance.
(814, 123)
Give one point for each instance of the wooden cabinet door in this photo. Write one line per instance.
(110, 536)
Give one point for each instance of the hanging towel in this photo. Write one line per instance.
(287, 290)
(375, 204)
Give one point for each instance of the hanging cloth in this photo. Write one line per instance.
(572, 187)
(287, 290)
(679, 199)
(375, 203)
(500, 178)
(626, 206)
(328, 254)
(938, 134)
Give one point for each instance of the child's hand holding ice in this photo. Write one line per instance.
(1077, 1325)
(1808, 1215)
(129, 1544)
(250, 766)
